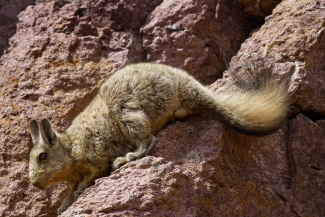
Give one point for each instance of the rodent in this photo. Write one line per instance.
(131, 106)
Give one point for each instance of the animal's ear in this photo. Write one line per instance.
(47, 133)
(34, 130)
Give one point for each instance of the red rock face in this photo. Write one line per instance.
(306, 147)
(63, 50)
(9, 10)
(194, 35)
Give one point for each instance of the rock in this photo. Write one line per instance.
(64, 49)
(321, 124)
(306, 149)
(198, 36)
(259, 9)
(8, 19)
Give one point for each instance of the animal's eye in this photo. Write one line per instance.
(42, 156)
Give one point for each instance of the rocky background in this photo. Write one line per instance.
(63, 50)
(9, 9)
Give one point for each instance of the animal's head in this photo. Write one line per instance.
(48, 157)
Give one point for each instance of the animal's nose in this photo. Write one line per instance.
(38, 185)
(34, 184)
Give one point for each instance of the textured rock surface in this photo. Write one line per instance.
(9, 10)
(306, 146)
(195, 35)
(64, 49)
(259, 8)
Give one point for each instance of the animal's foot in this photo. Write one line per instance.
(118, 162)
(130, 157)
(78, 193)
(62, 209)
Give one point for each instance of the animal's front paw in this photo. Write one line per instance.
(118, 162)
(62, 209)
(130, 157)
(78, 193)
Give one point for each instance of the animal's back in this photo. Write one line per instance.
(162, 93)
(151, 88)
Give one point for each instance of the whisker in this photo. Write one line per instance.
(72, 159)
(48, 173)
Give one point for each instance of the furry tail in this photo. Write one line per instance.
(258, 103)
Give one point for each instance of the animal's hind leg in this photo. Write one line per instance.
(136, 126)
